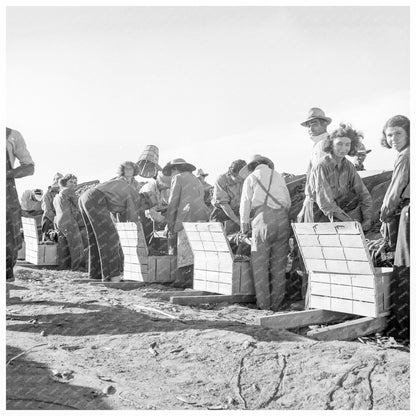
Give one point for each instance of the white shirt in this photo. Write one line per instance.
(253, 195)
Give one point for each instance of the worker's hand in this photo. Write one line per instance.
(301, 214)
(245, 227)
(366, 225)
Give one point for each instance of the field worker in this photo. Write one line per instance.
(155, 217)
(186, 204)
(208, 188)
(316, 123)
(126, 172)
(49, 213)
(339, 191)
(69, 222)
(97, 204)
(396, 135)
(15, 149)
(360, 156)
(227, 196)
(395, 217)
(265, 204)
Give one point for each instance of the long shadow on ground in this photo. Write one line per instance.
(30, 386)
(95, 319)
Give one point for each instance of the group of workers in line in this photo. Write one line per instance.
(250, 198)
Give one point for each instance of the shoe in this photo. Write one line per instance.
(115, 279)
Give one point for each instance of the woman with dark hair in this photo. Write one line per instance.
(339, 191)
(127, 171)
(69, 222)
(396, 135)
(395, 217)
(115, 196)
(227, 196)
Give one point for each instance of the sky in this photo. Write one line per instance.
(90, 87)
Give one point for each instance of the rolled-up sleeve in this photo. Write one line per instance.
(174, 199)
(366, 201)
(19, 149)
(246, 198)
(399, 182)
(220, 194)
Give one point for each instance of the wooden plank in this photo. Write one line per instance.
(320, 302)
(299, 319)
(360, 267)
(355, 254)
(125, 284)
(349, 330)
(335, 266)
(313, 253)
(199, 284)
(333, 253)
(368, 309)
(328, 240)
(168, 294)
(195, 300)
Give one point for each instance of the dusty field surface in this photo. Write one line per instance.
(87, 346)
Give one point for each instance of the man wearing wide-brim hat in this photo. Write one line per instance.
(186, 204)
(201, 175)
(360, 156)
(316, 122)
(265, 204)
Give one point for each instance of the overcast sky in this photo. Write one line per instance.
(90, 87)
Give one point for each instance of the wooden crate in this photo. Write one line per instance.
(138, 265)
(38, 253)
(214, 268)
(341, 274)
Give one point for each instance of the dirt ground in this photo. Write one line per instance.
(88, 347)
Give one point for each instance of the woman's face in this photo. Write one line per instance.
(341, 146)
(396, 137)
(128, 171)
(71, 183)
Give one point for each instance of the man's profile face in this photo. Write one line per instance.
(316, 127)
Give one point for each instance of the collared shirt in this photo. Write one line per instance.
(331, 182)
(399, 187)
(28, 203)
(317, 154)
(227, 191)
(66, 207)
(121, 198)
(162, 200)
(253, 195)
(16, 148)
(47, 202)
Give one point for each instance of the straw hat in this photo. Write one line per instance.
(315, 113)
(167, 170)
(200, 172)
(148, 162)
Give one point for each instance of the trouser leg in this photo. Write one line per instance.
(94, 266)
(278, 259)
(260, 254)
(76, 248)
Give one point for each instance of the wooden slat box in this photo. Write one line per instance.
(341, 274)
(138, 265)
(214, 268)
(38, 253)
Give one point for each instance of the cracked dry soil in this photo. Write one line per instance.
(91, 347)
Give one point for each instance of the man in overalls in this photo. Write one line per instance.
(265, 204)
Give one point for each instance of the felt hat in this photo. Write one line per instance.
(257, 160)
(167, 170)
(200, 172)
(315, 113)
(148, 162)
(361, 150)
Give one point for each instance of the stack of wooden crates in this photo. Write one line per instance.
(214, 267)
(138, 265)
